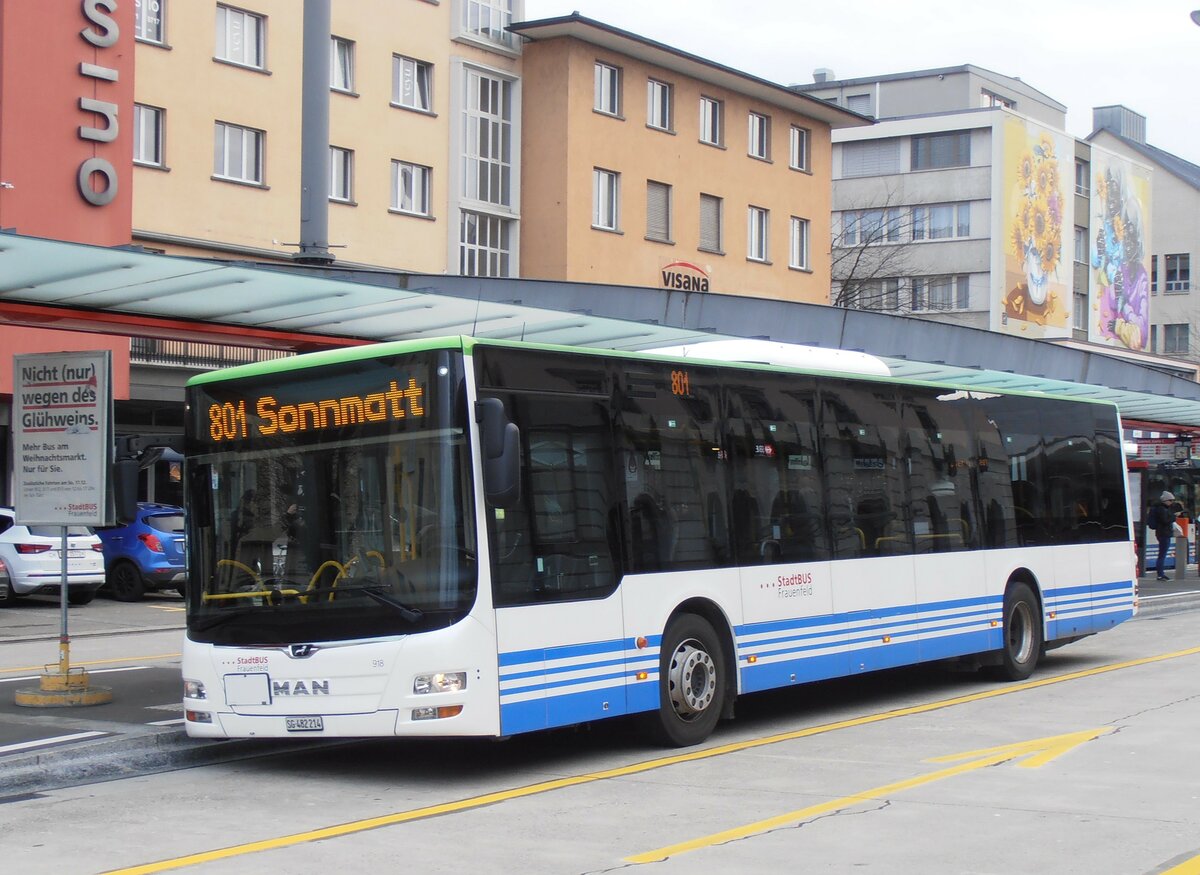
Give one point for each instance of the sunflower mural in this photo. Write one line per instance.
(1036, 297)
(1120, 281)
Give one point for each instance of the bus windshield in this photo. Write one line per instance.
(330, 504)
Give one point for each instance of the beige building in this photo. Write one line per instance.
(658, 168)
(571, 152)
(419, 91)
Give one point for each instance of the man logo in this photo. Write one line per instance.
(302, 651)
(300, 688)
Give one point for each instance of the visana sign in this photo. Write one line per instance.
(684, 276)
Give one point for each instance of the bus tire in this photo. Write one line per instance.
(1022, 634)
(692, 683)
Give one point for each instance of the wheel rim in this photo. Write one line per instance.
(1020, 632)
(124, 581)
(692, 679)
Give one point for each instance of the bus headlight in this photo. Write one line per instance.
(442, 682)
(194, 690)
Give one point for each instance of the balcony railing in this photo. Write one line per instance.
(191, 354)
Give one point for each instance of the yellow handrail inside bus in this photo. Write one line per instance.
(379, 556)
(328, 563)
(241, 566)
(250, 594)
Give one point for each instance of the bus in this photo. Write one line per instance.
(467, 537)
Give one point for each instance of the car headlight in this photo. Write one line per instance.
(442, 682)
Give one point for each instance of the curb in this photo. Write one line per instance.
(131, 755)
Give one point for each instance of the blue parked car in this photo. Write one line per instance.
(148, 554)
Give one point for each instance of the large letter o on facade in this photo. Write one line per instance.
(105, 196)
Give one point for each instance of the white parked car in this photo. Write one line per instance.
(32, 557)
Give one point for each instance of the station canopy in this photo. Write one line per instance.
(50, 283)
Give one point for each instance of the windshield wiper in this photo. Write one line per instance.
(376, 592)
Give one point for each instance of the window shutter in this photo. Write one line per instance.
(710, 222)
(871, 158)
(658, 211)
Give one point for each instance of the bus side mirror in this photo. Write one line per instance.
(125, 488)
(501, 444)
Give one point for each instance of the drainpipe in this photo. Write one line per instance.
(314, 137)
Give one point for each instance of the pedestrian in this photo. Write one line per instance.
(1162, 520)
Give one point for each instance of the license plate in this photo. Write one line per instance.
(75, 554)
(303, 724)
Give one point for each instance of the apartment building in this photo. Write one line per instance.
(655, 167)
(1175, 216)
(424, 122)
(968, 203)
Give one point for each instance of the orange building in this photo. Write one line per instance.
(658, 168)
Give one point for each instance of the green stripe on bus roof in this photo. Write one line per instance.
(328, 357)
(468, 344)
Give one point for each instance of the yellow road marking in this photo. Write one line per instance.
(636, 768)
(1187, 867)
(1045, 750)
(23, 669)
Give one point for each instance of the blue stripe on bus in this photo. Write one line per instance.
(1081, 608)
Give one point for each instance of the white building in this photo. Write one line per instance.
(967, 202)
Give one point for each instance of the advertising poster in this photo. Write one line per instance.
(1036, 222)
(1119, 252)
(62, 437)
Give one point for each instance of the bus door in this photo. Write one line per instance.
(554, 567)
(942, 461)
(870, 521)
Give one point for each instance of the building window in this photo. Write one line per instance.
(757, 233)
(487, 171)
(1079, 317)
(148, 135)
(608, 89)
(1081, 246)
(658, 211)
(605, 199)
(882, 294)
(989, 99)
(1154, 274)
(867, 227)
(658, 105)
(859, 103)
(941, 221)
(711, 129)
(341, 174)
(489, 20)
(871, 158)
(240, 37)
(341, 64)
(1175, 339)
(1081, 178)
(711, 224)
(1153, 338)
(410, 188)
(485, 245)
(1179, 273)
(760, 136)
(412, 83)
(798, 149)
(798, 257)
(148, 20)
(238, 153)
(941, 293)
(936, 151)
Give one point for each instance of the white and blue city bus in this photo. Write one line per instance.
(477, 538)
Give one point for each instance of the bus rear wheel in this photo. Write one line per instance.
(692, 683)
(1022, 634)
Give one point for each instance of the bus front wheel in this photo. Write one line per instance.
(692, 683)
(1022, 634)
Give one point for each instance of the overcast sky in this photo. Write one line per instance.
(1144, 54)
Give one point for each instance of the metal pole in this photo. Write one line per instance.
(314, 136)
(64, 639)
